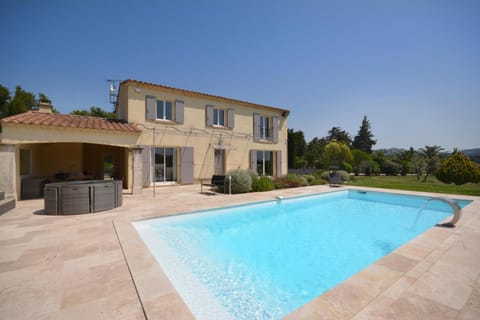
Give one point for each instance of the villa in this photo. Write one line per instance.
(162, 136)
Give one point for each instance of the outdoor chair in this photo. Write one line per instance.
(335, 180)
(217, 181)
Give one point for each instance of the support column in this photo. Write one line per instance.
(137, 186)
(8, 170)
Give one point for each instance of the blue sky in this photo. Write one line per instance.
(413, 67)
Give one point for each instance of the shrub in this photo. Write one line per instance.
(290, 181)
(391, 168)
(347, 167)
(317, 182)
(325, 175)
(241, 181)
(262, 184)
(309, 178)
(303, 181)
(458, 169)
(252, 173)
(342, 173)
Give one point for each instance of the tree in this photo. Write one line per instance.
(43, 98)
(336, 153)
(4, 101)
(94, 112)
(458, 169)
(315, 153)
(432, 158)
(364, 139)
(404, 159)
(337, 134)
(22, 101)
(359, 157)
(379, 157)
(419, 165)
(391, 168)
(297, 148)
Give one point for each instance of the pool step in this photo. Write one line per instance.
(6, 204)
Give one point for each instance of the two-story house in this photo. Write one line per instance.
(162, 136)
(188, 136)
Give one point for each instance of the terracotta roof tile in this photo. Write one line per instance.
(71, 121)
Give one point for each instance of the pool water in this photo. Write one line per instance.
(262, 261)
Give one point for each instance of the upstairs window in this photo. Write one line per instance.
(265, 128)
(216, 117)
(219, 117)
(165, 110)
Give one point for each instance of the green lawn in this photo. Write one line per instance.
(411, 183)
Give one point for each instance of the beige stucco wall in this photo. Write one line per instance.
(194, 132)
(27, 134)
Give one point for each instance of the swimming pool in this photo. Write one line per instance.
(263, 261)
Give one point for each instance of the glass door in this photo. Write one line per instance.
(165, 165)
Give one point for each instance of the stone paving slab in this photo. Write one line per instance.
(95, 266)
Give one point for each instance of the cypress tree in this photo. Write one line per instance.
(364, 139)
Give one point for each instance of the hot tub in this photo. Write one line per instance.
(75, 197)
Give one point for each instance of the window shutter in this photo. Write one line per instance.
(209, 111)
(279, 163)
(256, 127)
(179, 106)
(253, 160)
(187, 165)
(275, 129)
(151, 106)
(146, 156)
(230, 118)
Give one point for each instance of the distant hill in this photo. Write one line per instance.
(473, 154)
(391, 151)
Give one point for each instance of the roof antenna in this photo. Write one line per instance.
(113, 91)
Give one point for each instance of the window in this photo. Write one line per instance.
(164, 110)
(265, 163)
(265, 128)
(219, 117)
(25, 162)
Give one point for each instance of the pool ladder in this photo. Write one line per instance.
(457, 210)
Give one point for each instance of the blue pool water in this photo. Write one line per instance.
(263, 261)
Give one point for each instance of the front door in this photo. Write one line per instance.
(219, 162)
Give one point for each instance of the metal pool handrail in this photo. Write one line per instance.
(457, 210)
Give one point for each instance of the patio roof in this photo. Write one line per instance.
(70, 121)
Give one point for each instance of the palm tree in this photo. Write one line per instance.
(432, 157)
(404, 159)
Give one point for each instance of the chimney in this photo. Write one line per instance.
(45, 107)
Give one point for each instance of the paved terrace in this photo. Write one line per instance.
(81, 267)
